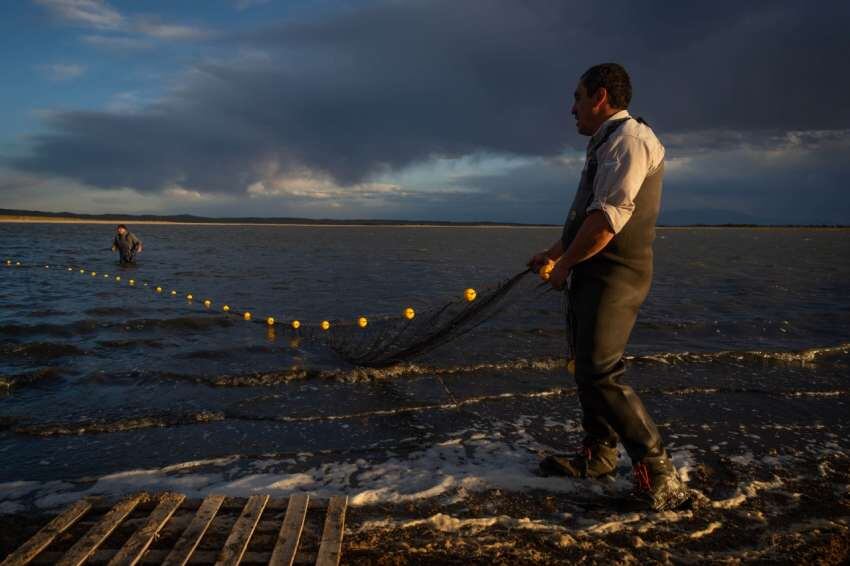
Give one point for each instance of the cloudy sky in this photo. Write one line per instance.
(438, 109)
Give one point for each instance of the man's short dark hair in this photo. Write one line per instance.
(121, 226)
(614, 78)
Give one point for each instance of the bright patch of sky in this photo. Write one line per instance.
(115, 55)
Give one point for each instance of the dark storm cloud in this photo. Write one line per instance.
(381, 87)
(797, 178)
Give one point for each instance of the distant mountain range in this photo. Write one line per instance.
(691, 217)
(9, 214)
(672, 218)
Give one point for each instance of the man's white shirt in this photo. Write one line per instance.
(623, 162)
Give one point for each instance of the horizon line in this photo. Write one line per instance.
(16, 215)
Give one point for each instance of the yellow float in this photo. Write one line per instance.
(270, 321)
(296, 324)
(207, 303)
(247, 315)
(470, 294)
(226, 308)
(326, 325)
(409, 313)
(546, 270)
(189, 297)
(362, 322)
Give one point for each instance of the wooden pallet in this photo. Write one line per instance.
(169, 529)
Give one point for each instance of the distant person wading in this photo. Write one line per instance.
(127, 245)
(604, 261)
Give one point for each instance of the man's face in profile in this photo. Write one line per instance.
(583, 110)
(121, 231)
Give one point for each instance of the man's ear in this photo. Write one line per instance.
(600, 98)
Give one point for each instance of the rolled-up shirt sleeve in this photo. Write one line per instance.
(621, 171)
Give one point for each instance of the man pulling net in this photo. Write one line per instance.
(604, 261)
(127, 245)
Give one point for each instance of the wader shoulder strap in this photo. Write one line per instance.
(608, 133)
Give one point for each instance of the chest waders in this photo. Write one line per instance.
(127, 247)
(603, 300)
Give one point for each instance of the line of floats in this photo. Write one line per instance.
(362, 322)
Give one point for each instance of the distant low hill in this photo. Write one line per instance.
(10, 214)
(673, 219)
(691, 217)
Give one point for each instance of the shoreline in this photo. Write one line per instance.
(37, 220)
(342, 224)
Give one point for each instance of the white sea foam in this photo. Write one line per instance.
(746, 491)
(563, 533)
(499, 457)
(713, 526)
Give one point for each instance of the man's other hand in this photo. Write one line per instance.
(537, 261)
(558, 276)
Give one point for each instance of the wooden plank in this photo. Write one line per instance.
(200, 556)
(237, 542)
(193, 534)
(46, 535)
(133, 549)
(330, 548)
(274, 504)
(290, 531)
(100, 531)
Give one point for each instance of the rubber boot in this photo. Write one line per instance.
(594, 460)
(657, 484)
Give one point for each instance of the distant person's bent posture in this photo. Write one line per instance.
(604, 260)
(127, 245)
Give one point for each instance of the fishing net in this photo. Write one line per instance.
(390, 340)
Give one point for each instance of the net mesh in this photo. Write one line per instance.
(389, 341)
